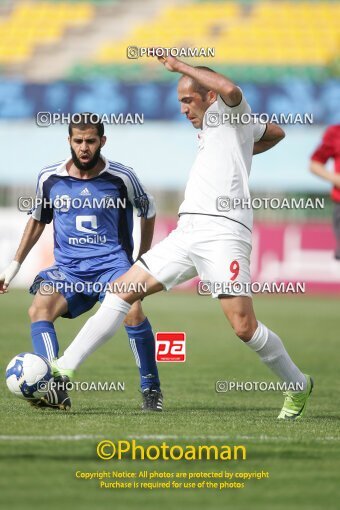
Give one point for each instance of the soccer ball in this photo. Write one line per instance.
(27, 375)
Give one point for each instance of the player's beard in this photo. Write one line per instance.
(86, 166)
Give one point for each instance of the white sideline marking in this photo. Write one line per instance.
(81, 437)
(262, 438)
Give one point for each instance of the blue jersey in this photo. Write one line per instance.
(92, 218)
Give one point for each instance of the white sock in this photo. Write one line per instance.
(97, 330)
(272, 352)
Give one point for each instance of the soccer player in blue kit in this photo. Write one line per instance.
(90, 200)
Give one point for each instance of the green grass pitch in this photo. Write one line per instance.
(303, 459)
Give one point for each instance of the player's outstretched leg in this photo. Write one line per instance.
(142, 343)
(44, 310)
(107, 320)
(270, 349)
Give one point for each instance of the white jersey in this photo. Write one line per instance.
(221, 170)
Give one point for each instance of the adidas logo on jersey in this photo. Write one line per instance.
(85, 192)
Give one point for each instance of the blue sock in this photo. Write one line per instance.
(142, 343)
(44, 339)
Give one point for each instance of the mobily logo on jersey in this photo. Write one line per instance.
(93, 237)
(97, 239)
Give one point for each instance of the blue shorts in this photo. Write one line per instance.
(82, 289)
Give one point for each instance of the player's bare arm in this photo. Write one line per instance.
(272, 136)
(31, 235)
(320, 170)
(147, 229)
(230, 93)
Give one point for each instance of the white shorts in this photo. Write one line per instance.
(216, 249)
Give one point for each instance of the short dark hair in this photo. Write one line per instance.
(202, 91)
(84, 121)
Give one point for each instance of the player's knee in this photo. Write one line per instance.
(32, 312)
(131, 297)
(39, 313)
(244, 327)
(134, 318)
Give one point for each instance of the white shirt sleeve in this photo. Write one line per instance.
(220, 113)
(259, 129)
(242, 107)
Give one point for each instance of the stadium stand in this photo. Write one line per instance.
(254, 40)
(260, 40)
(42, 23)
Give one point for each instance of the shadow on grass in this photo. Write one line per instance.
(327, 417)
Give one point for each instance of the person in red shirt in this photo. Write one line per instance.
(330, 148)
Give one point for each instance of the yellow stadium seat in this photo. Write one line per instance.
(33, 24)
(282, 32)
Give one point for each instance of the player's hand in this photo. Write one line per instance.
(336, 180)
(7, 276)
(170, 63)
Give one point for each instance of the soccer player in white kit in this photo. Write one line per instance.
(212, 238)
